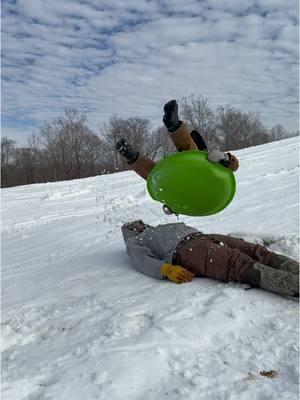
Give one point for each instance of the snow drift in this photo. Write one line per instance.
(79, 323)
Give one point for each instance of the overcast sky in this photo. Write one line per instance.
(128, 58)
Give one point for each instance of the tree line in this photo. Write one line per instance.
(66, 148)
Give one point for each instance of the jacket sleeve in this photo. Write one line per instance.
(144, 260)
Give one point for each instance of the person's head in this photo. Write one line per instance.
(134, 228)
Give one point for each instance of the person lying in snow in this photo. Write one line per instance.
(183, 141)
(179, 253)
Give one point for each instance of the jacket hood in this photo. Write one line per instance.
(129, 231)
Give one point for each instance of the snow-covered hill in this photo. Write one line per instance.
(79, 323)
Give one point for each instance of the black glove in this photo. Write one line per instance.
(171, 119)
(127, 151)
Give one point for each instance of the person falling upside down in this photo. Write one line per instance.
(179, 253)
(183, 141)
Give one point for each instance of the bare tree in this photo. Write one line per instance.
(64, 139)
(95, 156)
(278, 132)
(239, 129)
(135, 131)
(160, 144)
(113, 132)
(71, 131)
(199, 116)
(8, 161)
(25, 172)
(66, 148)
(48, 140)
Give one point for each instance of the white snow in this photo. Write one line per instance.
(78, 322)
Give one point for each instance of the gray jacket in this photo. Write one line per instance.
(155, 246)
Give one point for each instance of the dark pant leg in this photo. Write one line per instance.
(255, 251)
(205, 256)
(199, 141)
(260, 253)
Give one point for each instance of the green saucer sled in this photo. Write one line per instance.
(191, 185)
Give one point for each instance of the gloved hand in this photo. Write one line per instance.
(170, 118)
(176, 274)
(218, 156)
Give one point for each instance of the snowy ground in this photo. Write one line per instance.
(79, 323)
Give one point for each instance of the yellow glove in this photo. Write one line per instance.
(176, 274)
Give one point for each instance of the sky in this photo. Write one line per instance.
(127, 58)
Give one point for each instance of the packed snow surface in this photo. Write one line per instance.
(78, 322)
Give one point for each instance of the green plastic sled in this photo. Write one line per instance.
(191, 185)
